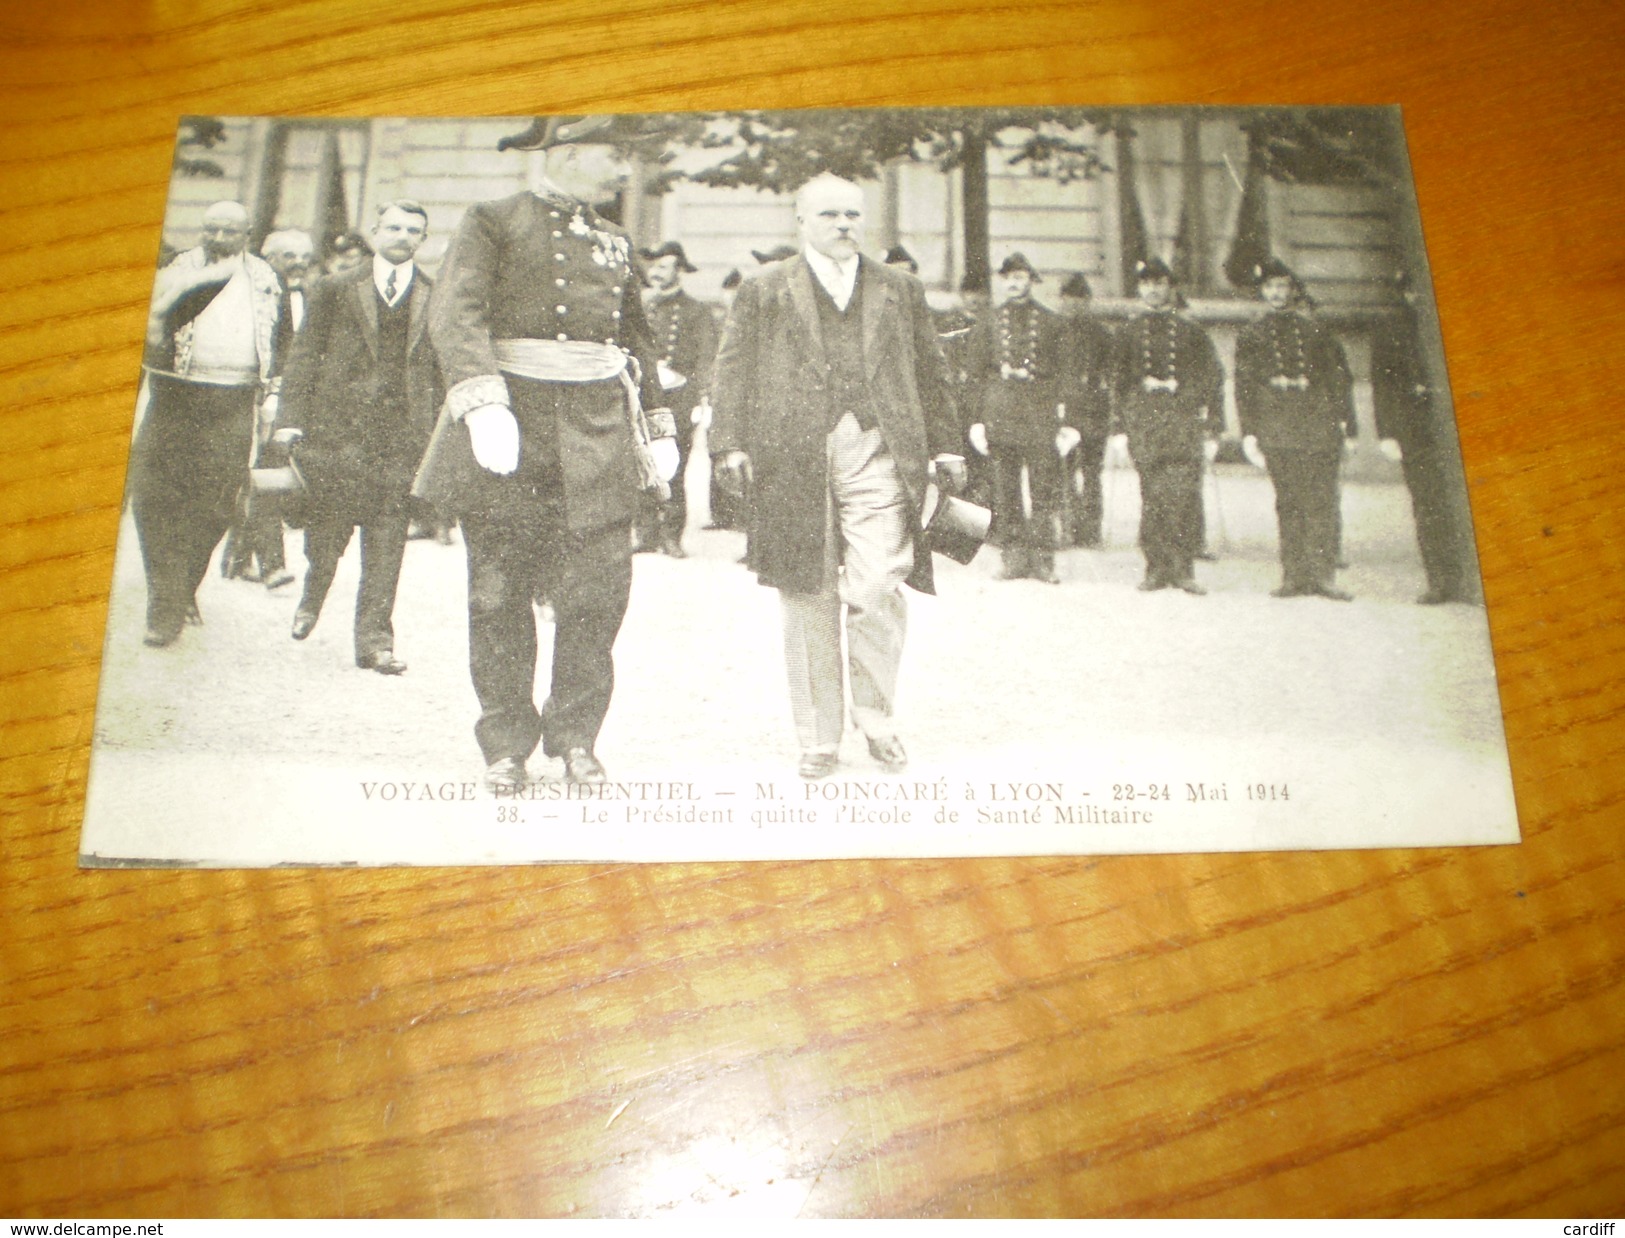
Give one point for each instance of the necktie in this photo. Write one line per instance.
(389, 288)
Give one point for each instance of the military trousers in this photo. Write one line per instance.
(1014, 526)
(1306, 512)
(1170, 511)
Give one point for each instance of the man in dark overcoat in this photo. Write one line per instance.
(1086, 390)
(1170, 389)
(832, 391)
(1018, 357)
(685, 337)
(1295, 398)
(538, 323)
(359, 398)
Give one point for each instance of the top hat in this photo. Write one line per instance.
(1018, 262)
(608, 129)
(668, 250)
(953, 526)
(1077, 285)
(777, 254)
(1152, 269)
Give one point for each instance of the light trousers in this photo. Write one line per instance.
(868, 554)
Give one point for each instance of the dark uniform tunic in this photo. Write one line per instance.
(1086, 393)
(685, 339)
(1405, 413)
(1168, 419)
(534, 268)
(1019, 359)
(1295, 395)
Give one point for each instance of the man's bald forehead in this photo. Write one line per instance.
(226, 212)
(826, 190)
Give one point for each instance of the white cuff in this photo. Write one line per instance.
(477, 392)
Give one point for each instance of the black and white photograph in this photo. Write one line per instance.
(793, 484)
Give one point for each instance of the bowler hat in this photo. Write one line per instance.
(777, 254)
(607, 129)
(1018, 262)
(668, 250)
(1077, 285)
(899, 256)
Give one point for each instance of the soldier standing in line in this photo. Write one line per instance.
(1295, 397)
(685, 336)
(1017, 361)
(1169, 387)
(1086, 394)
(1405, 413)
(539, 329)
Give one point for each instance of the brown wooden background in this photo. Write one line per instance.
(1429, 1032)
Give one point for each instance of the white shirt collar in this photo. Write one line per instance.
(838, 278)
(381, 267)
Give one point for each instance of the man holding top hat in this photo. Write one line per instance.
(832, 393)
(540, 332)
(1295, 397)
(1017, 360)
(685, 338)
(1170, 390)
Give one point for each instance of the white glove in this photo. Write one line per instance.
(1066, 438)
(978, 438)
(269, 410)
(1249, 448)
(666, 458)
(494, 436)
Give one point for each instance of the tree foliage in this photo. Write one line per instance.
(198, 133)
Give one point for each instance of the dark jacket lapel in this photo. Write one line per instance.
(877, 297)
(417, 308)
(800, 278)
(366, 297)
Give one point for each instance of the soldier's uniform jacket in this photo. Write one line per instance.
(1018, 358)
(1169, 349)
(529, 267)
(1293, 388)
(1399, 383)
(1086, 387)
(685, 338)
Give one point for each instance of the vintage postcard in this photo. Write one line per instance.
(735, 485)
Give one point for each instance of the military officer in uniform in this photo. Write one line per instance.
(1295, 397)
(1086, 393)
(685, 337)
(1406, 413)
(539, 328)
(1018, 359)
(1170, 388)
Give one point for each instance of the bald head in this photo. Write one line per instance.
(829, 212)
(225, 230)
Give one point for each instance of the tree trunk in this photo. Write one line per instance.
(978, 265)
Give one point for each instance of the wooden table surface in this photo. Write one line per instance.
(1394, 1032)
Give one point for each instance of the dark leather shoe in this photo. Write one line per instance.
(1288, 591)
(303, 621)
(581, 766)
(194, 616)
(673, 549)
(277, 580)
(816, 764)
(1151, 584)
(1190, 586)
(890, 754)
(1044, 573)
(1436, 597)
(384, 662)
(157, 639)
(1013, 565)
(1334, 593)
(506, 777)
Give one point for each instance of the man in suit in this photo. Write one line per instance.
(254, 548)
(831, 391)
(542, 340)
(359, 396)
(1018, 358)
(1295, 397)
(685, 336)
(1170, 388)
(1086, 394)
(211, 332)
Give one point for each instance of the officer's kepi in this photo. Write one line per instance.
(612, 129)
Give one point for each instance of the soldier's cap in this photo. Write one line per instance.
(777, 254)
(668, 250)
(897, 255)
(1272, 268)
(732, 279)
(1018, 262)
(1153, 269)
(1077, 285)
(606, 129)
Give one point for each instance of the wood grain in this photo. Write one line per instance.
(1337, 1034)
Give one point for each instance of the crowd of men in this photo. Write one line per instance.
(546, 392)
